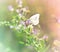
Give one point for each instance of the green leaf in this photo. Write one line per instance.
(21, 42)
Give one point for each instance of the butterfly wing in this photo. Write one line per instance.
(35, 19)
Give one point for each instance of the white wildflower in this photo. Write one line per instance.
(19, 3)
(17, 10)
(24, 9)
(18, 27)
(35, 19)
(20, 15)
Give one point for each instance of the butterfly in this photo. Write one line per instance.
(35, 19)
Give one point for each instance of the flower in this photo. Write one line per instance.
(24, 9)
(18, 27)
(10, 8)
(20, 15)
(27, 22)
(22, 22)
(35, 31)
(35, 19)
(17, 10)
(19, 3)
(45, 37)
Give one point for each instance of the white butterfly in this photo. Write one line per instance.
(35, 19)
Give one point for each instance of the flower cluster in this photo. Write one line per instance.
(26, 27)
(22, 20)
